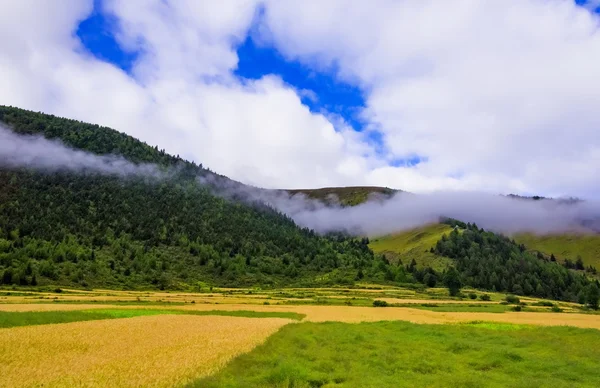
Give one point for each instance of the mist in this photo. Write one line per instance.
(404, 211)
(381, 216)
(376, 217)
(35, 151)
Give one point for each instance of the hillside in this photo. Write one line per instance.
(565, 246)
(414, 244)
(102, 230)
(347, 196)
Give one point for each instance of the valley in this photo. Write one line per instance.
(123, 265)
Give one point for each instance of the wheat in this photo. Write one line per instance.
(152, 351)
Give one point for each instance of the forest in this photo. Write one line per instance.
(490, 261)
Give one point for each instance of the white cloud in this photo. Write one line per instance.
(504, 93)
(499, 96)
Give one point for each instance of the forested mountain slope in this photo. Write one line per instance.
(103, 230)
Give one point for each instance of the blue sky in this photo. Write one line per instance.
(321, 91)
(325, 92)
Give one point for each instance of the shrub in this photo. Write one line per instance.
(544, 303)
(58, 290)
(485, 297)
(472, 295)
(517, 308)
(556, 309)
(380, 303)
(512, 299)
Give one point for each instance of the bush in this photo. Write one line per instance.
(512, 299)
(544, 303)
(556, 309)
(472, 295)
(58, 290)
(380, 303)
(485, 297)
(517, 308)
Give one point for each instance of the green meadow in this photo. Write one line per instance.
(401, 354)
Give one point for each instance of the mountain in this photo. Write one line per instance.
(94, 229)
(347, 196)
(145, 219)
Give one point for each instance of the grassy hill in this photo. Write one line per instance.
(565, 246)
(414, 244)
(347, 196)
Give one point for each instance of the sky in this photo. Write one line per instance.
(418, 95)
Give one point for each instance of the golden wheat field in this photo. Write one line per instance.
(151, 351)
(355, 314)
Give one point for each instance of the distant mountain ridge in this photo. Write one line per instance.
(348, 195)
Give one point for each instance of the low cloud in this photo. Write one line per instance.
(376, 217)
(35, 151)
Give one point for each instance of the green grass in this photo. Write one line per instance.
(414, 244)
(13, 319)
(471, 308)
(401, 354)
(565, 246)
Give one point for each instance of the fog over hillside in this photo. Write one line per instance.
(375, 217)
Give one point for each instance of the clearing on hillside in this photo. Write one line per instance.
(565, 246)
(414, 244)
(158, 351)
(347, 196)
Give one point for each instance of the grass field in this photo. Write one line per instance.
(158, 351)
(129, 338)
(400, 354)
(565, 246)
(414, 244)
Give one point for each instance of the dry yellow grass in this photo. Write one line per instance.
(351, 313)
(24, 307)
(434, 301)
(354, 314)
(153, 351)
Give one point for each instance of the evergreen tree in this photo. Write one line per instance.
(452, 281)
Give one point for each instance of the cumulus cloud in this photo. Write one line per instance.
(499, 94)
(498, 97)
